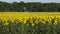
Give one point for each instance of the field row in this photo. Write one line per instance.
(29, 13)
(29, 23)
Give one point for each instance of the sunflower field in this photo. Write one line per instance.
(29, 25)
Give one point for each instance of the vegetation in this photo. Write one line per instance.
(33, 23)
(29, 18)
(29, 14)
(29, 7)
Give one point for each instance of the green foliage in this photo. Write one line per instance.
(29, 6)
(20, 28)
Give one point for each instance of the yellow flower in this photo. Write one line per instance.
(49, 20)
(25, 18)
(33, 24)
(44, 22)
(36, 21)
(6, 24)
(31, 18)
(24, 21)
(31, 21)
(56, 22)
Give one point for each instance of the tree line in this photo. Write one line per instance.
(29, 7)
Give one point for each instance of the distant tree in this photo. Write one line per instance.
(29, 6)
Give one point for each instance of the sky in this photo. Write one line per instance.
(43, 1)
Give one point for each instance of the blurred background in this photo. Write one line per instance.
(29, 5)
